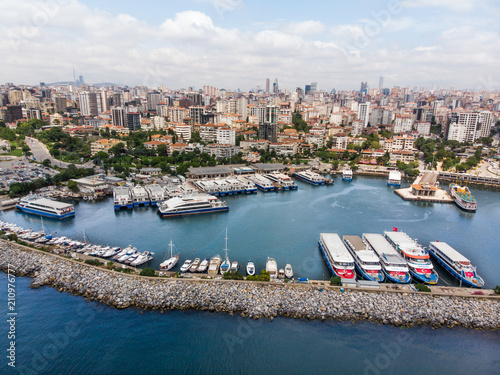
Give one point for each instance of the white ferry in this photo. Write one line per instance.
(337, 257)
(456, 264)
(191, 205)
(140, 196)
(311, 177)
(365, 259)
(347, 174)
(156, 194)
(262, 182)
(463, 197)
(283, 180)
(393, 265)
(122, 197)
(417, 257)
(394, 178)
(34, 204)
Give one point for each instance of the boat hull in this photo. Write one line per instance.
(45, 214)
(456, 275)
(317, 183)
(397, 280)
(433, 279)
(333, 269)
(380, 276)
(194, 212)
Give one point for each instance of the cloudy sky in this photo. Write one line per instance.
(237, 44)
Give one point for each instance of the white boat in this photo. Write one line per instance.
(337, 257)
(187, 264)
(250, 268)
(156, 193)
(195, 265)
(214, 265)
(289, 271)
(281, 273)
(394, 178)
(142, 258)
(262, 182)
(203, 265)
(192, 205)
(140, 196)
(286, 182)
(272, 268)
(226, 264)
(170, 263)
(122, 197)
(234, 266)
(121, 253)
(365, 259)
(34, 204)
(311, 177)
(347, 174)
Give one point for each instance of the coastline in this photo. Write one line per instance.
(250, 299)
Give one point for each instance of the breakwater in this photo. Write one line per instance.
(253, 300)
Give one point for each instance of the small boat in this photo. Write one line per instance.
(272, 268)
(289, 271)
(141, 259)
(234, 266)
(170, 263)
(347, 174)
(250, 268)
(281, 273)
(203, 266)
(214, 265)
(187, 264)
(195, 265)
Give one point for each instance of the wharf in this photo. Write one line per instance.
(424, 189)
(441, 196)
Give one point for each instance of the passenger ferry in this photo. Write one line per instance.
(283, 180)
(394, 178)
(393, 265)
(417, 257)
(347, 174)
(262, 183)
(463, 197)
(311, 177)
(139, 196)
(456, 264)
(191, 205)
(122, 197)
(338, 258)
(34, 204)
(156, 193)
(365, 259)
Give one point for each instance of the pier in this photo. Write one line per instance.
(424, 189)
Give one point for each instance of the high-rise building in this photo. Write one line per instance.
(380, 82)
(268, 83)
(60, 103)
(275, 86)
(134, 121)
(364, 113)
(152, 100)
(272, 113)
(88, 103)
(196, 113)
(364, 88)
(14, 113)
(118, 116)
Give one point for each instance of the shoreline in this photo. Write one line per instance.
(250, 299)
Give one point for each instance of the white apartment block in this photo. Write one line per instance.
(364, 113)
(403, 124)
(183, 131)
(423, 128)
(226, 136)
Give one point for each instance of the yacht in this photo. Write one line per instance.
(191, 205)
(187, 264)
(289, 271)
(33, 204)
(234, 266)
(170, 263)
(142, 258)
(203, 266)
(250, 268)
(311, 177)
(272, 268)
(365, 259)
(214, 265)
(338, 258)
(281, 273)
(226, 264)
(195, 265)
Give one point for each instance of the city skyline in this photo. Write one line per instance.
(232, 44)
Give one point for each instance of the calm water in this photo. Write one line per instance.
(101, 340)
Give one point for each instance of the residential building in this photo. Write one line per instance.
(102, 145)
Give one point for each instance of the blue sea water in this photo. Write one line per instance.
(58, 333)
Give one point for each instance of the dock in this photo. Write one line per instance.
(424, 189)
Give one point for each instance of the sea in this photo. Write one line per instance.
(58, 333)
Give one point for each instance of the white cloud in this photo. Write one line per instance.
(224, 4)
(309, 27)
(427, 49)
(453, 5)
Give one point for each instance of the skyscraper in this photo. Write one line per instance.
(380, 82)
(88, 103)
(364, 113)
(268, 83)
(275, 86)
(364, 88)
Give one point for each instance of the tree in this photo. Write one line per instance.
(46, 163)
(150, 272)
(72, 185)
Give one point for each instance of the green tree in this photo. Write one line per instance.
(73, 186)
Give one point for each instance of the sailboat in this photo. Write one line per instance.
(226, 265)
(44, 238)
(168, 264)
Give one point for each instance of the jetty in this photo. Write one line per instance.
(425, 189)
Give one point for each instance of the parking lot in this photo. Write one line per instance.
(21, 170)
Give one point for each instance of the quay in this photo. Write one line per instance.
(424, 189)
(317, 300)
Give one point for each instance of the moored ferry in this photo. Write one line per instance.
(192, 205)
(393, 265)
(456, 264)
(365, 259)
(122, 197)
(347, 174)
(283, 180)
(139, 196)
(262, 182)
(34, 204)
(337, 257)
(417, 257)
(463, 197)
(310, 177)
(394, 178)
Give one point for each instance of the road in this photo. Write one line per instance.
(41, 152)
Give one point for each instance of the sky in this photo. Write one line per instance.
(237, 44)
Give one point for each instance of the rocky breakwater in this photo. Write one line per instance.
(253, 300)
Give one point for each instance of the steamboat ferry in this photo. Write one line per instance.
(34, 204)
(337, 257)
(192, 205)
(311, 177)
(283, 180)
(365, 259)
(456, 264)
(417, 257)
(393, 265)
(463, 197)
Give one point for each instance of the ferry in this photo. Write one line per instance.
(156, 194)
(139, 196)
(337, 257)
(122, 197)
(213, 266)
(394, 178)
(262, 183)
(283, 180)
(34, 204)
(191, 205)
(347, 174)
(417, 257)
(272, 268)
(365, 259)
(463, 197)
(311, 177)
(456, 264)
(393, 265)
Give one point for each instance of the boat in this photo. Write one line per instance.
(195, 265)
(142, 258)
(203, 266)
(394, 178)
(418, 258)
(226, 264)
(393, 265)
(140, 196)
(463, 197)
(337, 257)
(170, 263)
(281, 273)
(121, 253)
(214, 265)
(289, 271)
(347, 174)
(455, 263)
(34, 204)
(262, 183)
(122, 197)
(310, 177)
(156, 193)
(187, 264)
(191, 205)
(272, 268)
(365, 259)
(234, 266)
(250, 268)
(284, 181)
